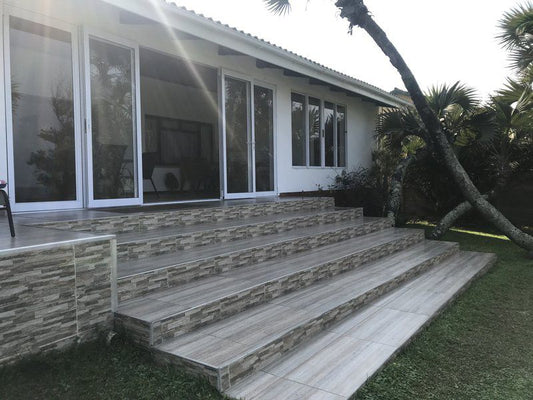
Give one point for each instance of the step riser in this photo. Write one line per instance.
(274, 350)
(150, 282)
(147, 334)
(191, 319)
(153, 247)
(448, 303)
(232, 373)
(212, 312)
(156, 220)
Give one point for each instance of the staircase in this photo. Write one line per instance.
(282, 299)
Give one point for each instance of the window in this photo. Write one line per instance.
(299, 148)
(315, 123)
(319, 140)
(329, 133)
(43, 112)
(341, 136)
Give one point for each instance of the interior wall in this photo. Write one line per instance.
(170, 100)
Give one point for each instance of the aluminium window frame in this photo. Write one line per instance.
(322, 101)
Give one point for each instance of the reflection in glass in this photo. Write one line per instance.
(180, 136)
(239, 178)
(264, 138)
(341, 136)
(113, 116)
(329, 133)
(299, 148)
(315, 155)
(43, 112)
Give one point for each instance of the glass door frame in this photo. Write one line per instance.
(76, 95)
(88, 34)
(251, 82)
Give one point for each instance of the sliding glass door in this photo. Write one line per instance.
(248, 138)
(264, 138)
(42, 115)
(113, 140)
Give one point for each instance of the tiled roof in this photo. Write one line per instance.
(306, 60)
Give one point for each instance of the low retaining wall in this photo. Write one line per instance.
(55, 295)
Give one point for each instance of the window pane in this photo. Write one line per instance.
(315, 154)
(264, 139)
(237, 136)
(299, 150)
(329, 133)
(341, 136)
(113, 116)
(43, 112)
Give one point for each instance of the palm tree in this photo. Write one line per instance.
(401, 130)
(507, 154)
(358, 15)
(517, 36)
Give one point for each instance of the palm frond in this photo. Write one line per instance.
(515, 26)
(279, 7)
(442, 99)
(516, 35)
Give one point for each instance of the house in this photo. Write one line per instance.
(134, 102)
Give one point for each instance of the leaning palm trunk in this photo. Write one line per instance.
(450, 218)
(396, 185)
(356, 12)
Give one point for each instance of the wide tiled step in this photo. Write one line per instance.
(169, 313)
(337, 362)
(147, 220)
(147, 244)
(230, 349)
(143, 276)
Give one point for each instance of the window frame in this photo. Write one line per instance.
(323, 102)
(51, 22)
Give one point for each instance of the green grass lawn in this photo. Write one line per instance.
(481, 348)
(96, 371)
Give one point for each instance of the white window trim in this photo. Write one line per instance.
(119, 42)
(58, 24)
(251, 82)
(322, 133)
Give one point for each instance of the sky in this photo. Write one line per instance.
(441, 41)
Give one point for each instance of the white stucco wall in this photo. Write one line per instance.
(104, 19)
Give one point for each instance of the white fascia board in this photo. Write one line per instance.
(231, 38)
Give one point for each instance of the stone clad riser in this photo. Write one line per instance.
(152, 281)
(266, 355)
(228, 375)
(188, 321)
(53, 297)
(188, 366)
(150, 221)
(153, 247)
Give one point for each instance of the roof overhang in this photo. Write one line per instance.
(240, 42)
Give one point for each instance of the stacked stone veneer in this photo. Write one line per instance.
(149, 333)
(224, 376)
(54, 296)
(147, 248)
(141, 284)
(149, 221)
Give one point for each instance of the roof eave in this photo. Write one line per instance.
(223, 35)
